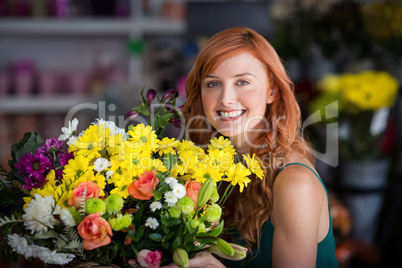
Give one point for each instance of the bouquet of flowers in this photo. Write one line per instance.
(363, 101)
(120, 197)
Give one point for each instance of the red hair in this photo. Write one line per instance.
(251, 209)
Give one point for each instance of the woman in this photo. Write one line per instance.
(239, 88)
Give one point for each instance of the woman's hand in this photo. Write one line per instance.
(202, 259)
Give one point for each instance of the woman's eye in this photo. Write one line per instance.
(242, 82)
(212, 84)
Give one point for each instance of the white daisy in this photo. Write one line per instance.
(70, 130)
(109, 174)
(171, 181)
(67, 218)
(156, 205)
(170, 198)
(72, 140)
(179, 190)
(38, 215)
(101, 164)
(106, 124)
(152, 223)
(20, 245)
(122, 132)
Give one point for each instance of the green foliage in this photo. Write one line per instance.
(158, 115)
(10, 220)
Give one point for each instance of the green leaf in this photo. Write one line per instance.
(165, 245)
(169, 160)
(165, 229)
(163, 187)
(155, 122)
(218, 230)
(163, 219)
(173, 221)
(142, 110)
(155, 237)
(138, 217)
(139, 233)
(164, 119)
(157, 195)
(203, 234)
(176, 243)
(142, 95)
(207, 240)
(169, 236)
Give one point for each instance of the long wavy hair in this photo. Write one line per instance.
(251, 209)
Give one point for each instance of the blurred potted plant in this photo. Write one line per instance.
(364, 101)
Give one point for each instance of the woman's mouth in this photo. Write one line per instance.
(230, 115)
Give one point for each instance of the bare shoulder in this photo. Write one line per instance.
(299, 175)
(297, 188)
(296, 180)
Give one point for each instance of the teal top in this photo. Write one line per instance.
(263, 257)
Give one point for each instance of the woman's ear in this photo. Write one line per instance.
(271, 97)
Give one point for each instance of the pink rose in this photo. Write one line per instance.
(94, 231)
(192, 189)
(142, 188)
(92, 191)
(147, 258)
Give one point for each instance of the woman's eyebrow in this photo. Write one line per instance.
(237, 75)
(244, 74)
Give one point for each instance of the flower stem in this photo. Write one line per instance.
(224, 196)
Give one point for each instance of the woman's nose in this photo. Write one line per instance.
(228, 96)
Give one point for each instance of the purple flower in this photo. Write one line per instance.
(176, 122)
(20, 165)
(51, 147)
(131, 115)
(151, 93)
(64, 158)
(37, 182)
(35, 168)
(170, 94)
(59, 174)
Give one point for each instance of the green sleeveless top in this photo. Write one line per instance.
(263, 257)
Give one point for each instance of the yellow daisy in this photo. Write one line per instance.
(141, 135)
(121, 184)
(78, 167)
(220, 159)
(190, 159)
(89, 144)
(204, 171)
(188, 146)
(178, 169)
(115, 145)
(167, 145)
(254, 165)
(222, 144)
(238, 175)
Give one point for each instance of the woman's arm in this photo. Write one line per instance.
(202, 259)
(297, 205)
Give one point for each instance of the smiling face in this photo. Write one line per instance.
(235, 96)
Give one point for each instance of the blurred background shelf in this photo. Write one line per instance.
(89, 26)
(30, 105)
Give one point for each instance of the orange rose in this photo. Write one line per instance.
(142, 188)
(192, 189)
(92, 191)
(94, 231)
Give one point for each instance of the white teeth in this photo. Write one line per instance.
(231, 114)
